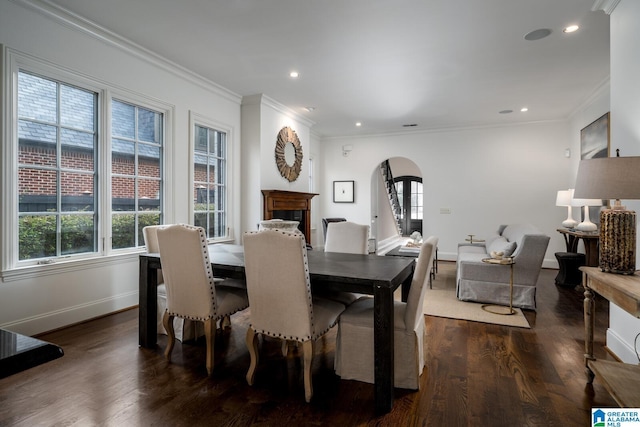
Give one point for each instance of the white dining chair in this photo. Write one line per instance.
(184, 329)
(191, 290)
(348, 238)
(281, 304)
(354, 358)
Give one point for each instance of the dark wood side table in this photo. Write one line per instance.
(622, 380)
(590, 240)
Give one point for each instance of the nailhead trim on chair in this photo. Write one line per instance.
(316, 334)
(207, 264)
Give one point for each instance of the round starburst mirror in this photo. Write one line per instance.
(288, 154)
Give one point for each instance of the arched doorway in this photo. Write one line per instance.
(386, 224)
(409, 190)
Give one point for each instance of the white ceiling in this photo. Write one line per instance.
(386, 63)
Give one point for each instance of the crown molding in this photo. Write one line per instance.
(606, 5)
(262, 99)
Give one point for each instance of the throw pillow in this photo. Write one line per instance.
(502, 245)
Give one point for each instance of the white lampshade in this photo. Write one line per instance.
(563, 198)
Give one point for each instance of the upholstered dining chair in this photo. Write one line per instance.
(184, 329)
(354, 347)
(191, 290)
(349, 238)
(281, 304)
(326, 222)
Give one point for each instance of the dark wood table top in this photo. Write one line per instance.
(357, 273)
(19, 352)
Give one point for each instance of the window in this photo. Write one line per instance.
(136, 172)
(57, 141)
(81, 162)
(210, 181)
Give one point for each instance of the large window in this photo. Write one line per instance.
(136, 172)
(82, 166)
(210, 181)
(57, 142)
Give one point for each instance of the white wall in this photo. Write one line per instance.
(486, 176)
(625, 134)
(53, 296)
(262, 120)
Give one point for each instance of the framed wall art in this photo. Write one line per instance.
(594, 139)
(343, 191)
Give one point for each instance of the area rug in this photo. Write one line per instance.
(441, 301)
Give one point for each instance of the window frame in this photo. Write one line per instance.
(11, 268)
(196, 119)
(155, 107)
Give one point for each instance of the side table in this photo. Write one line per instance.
(590, 239)
(497, 308)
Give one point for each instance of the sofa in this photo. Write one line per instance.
(489, 283)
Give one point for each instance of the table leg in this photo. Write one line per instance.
(383, 349)
(148, 306)
(589, 326)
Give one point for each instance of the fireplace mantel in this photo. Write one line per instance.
(280, 200)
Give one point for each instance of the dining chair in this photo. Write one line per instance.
(191, 290)
(347, 237)
(325, 223)
(184, 329)
(350, 238)
(281, 304)
(354, 358)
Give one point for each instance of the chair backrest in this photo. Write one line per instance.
(278, 284)
(421, 274)
(347, 237)
(150, 234)
(325, 223)
(188, 274)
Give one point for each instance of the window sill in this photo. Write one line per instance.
(62, 266)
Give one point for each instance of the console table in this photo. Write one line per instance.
(622, 380)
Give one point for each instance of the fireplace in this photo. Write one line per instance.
(289, 205)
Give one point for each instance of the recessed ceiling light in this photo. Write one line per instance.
(505, 111)
(524, 109)
(537, 34)
(358, 124)
(571, 29)
(294, 74)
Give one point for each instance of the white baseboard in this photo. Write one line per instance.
(71, 315)
(620, 348)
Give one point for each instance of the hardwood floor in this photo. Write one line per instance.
(476, 375)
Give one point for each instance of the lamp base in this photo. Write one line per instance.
(617, 241)
(569, 223)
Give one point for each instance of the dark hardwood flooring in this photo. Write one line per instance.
(476, 375)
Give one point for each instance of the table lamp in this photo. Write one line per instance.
(613, 178)
(586, 224)
(563, 198)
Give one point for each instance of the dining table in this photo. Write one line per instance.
(375, 275)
